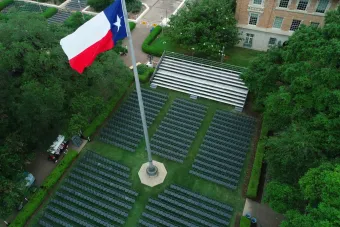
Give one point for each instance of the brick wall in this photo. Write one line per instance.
(270, 11)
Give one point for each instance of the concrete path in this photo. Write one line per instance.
(265, 216)
(157, 12)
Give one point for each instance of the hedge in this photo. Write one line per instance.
(49, 12)
(132, 25)
(144, 78)
(257, 166)
(245, 222)
(5, 3)
(59, 170)
(39, 196)
(149, 49)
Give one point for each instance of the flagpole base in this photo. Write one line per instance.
(152, 170)
(152, 175)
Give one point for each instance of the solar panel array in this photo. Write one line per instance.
(125, 129)
(76, 5)
(223, 151)
(59, 17)
(96, 193)
(178, 206)
(24, 7)
(178, 130)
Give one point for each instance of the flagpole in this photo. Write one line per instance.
(151, 169)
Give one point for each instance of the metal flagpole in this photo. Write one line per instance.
(151, 169)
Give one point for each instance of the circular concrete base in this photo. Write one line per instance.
(152, 180)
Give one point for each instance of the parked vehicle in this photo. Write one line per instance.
(59, 146)
(28, 189)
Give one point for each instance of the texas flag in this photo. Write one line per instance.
(95, 36)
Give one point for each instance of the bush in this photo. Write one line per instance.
(28, 210)
(142, 68)
(147, 48)
(99, 5)
(144, 78)
(39, 196)
(134, 6)
(49, 12)
(245, 222)
(59, 170)
(132, 25)
(5, 3)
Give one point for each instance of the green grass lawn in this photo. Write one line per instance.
(177, 173)
(234, 56)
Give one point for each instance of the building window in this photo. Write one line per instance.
(295, 25)
(284, 3)
(314, 24)
(322, 6)
(249, 40)
(302, 5)
(272, 41)
(257, 2)
(253, 18)
(277, 22)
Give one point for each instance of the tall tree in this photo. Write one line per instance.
(297, 86)
(205, 25)
(42, 96)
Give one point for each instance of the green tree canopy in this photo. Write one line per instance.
(42, 96)
(297, 87)
(205, 25)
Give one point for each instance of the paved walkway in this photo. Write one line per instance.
(265, 216)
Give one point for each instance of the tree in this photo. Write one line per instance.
(283, 197)
(320, 188)
(207, 26)
(297, 86)
(42, 96)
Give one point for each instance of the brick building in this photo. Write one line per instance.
(263, 23)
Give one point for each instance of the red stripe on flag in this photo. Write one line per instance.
(85, 58)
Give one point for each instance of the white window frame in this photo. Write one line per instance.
(250, 40)
(257, 20)
(327, 7)
(288, 4)
(253, 2)
(292, 24)
(280, 24)
(308, 2)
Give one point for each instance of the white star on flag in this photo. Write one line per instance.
(117, 23)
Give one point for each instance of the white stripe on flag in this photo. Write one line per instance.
(86, 35)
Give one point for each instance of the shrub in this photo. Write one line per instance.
(134, 6)
(245, 222)
(59, 170)
(142, 68)
(49, 12)
(144, 78)
(132, 25)
(99, 5)
(27, 211)
(5, 3)
(147, 48)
